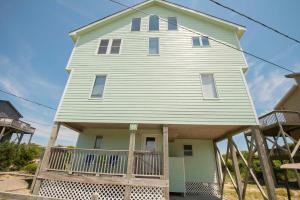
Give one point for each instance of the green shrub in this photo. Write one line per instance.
(30, 168)
(8, 153)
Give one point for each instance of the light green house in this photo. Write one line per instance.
(150, 89)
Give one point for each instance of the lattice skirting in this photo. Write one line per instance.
(203, 189)
(78, 191)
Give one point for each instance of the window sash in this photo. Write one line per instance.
(153, 46)
(172, 23)
(98, 142)
(196, 41)
(98, 87)
(136, 24)
(103, 46)
(205, 41)
(153, 23)
(115, 46)
(209, 86)
(187, 150)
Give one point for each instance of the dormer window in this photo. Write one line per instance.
(200, 41)
(136, 24)
(153, 23)
(172, 23)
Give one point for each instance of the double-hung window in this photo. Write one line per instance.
(200, 41)
(98, 87)
(188, 150)
(209, 86)
(136, 24)
(172, 23)
(115, 46)
(103, 46)
(153, 23)
(153, 46)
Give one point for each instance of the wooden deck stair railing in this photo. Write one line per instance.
(148, 163)
(95, 161)
(17, 124)
(277, 117)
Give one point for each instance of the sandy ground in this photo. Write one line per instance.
(13, 183)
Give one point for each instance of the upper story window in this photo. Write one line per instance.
(115, 46)
(136, 24)
(153, 46)
(200, 41)
(103, 46)
(98, 87)
(153, 23)
(172, 23)
(209, 86)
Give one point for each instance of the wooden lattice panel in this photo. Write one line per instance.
(203, 189)
(149, 193)
(79, 191)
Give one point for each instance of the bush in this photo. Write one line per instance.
(16, 157)
(30, 168)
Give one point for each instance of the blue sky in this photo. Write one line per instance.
(35, 47)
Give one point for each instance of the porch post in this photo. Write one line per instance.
(29, 141)
(132, 130)
(236, 168)
(20, 138)
(46, 157)
(265, 164)
(2, 132)
(218, 165)
(166, 159)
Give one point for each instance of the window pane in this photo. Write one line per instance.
(208, 86)
(188, 150)
(98, 86)
(153, 23)
(196, 41)
(98, 142)
(150, 144)
(115, 47)
(136, 24)
(103, 47)
(172, 23)
(205, 41)
(153, 46)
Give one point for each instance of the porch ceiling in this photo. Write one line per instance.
(175, 130)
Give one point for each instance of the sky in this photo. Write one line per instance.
(35, 48)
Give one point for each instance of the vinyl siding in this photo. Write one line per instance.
(157, 89)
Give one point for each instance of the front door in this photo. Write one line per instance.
(150, 158)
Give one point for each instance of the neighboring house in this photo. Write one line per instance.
(10, 123)
(149, 99)
(291, 100)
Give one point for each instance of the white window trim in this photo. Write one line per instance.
(109, 47)
(157, 138)
(200, 40)
(91, 90)
(217, 91)
(149, 47)
(168, 24)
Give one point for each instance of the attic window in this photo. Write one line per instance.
(136, 24)
(172, 23)
(103, 46)
(153, 23)
(200, 41)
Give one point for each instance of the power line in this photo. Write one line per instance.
(192, 31)
(256, 21)
(28, 100)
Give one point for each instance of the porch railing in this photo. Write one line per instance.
(148, 163)
(280, 117)
(95, 161)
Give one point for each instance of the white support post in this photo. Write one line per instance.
(2, 133)
(166, 158)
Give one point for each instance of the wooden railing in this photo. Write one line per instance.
(280, 117)
(95, 161)
(17, 124)
(148, 163)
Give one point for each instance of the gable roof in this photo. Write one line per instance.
(93, 25)
(8, 102)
